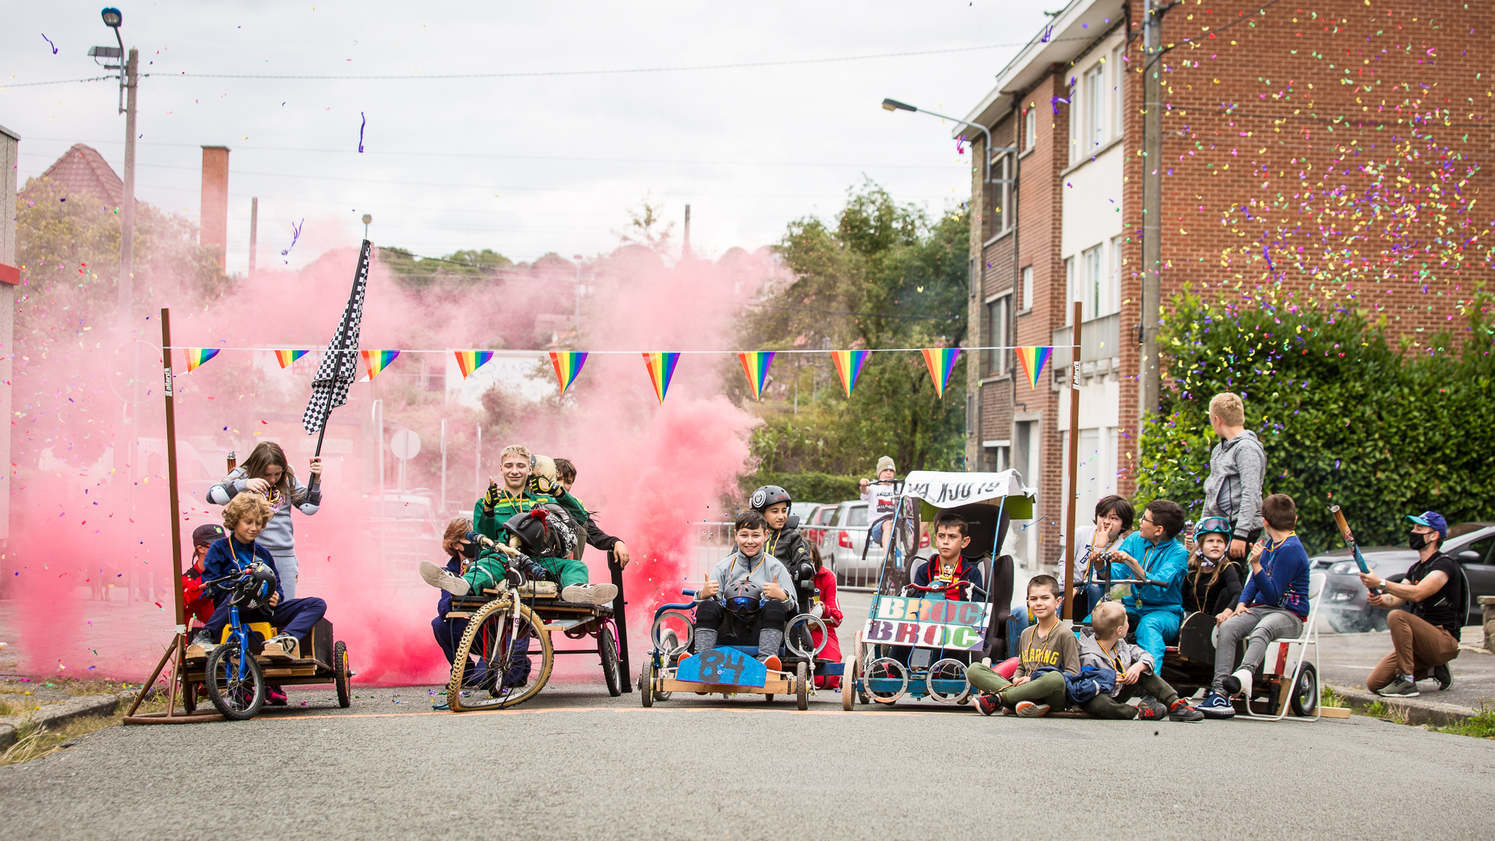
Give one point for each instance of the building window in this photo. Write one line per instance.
(1071, 291)
(1095, 108)
(1111, 300)
(999, 320)
(1094, 279)
(1001, 170)
(1030, 128)
(970, 414)
(1026, 303)
(1118, 98)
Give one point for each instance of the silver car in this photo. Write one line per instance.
(1345, 598)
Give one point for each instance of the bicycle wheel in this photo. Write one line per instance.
(610, 670)
(493, 636)
(236, 685)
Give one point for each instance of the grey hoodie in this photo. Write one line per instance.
(1091, 654)
(757, 568)
(1237, 469)
(279, 536)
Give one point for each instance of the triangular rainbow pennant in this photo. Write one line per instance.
(286, 357)
(471, 360)
(198, 355)
(1032, 359)
(661, 368)
(567, 364)
(941, 362)
(375, 361)
(849, 366)
(755, 364)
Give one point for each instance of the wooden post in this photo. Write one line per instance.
(1074, 468)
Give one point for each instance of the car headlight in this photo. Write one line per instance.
(1348, 567)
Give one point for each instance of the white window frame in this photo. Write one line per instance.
(1030, 129)
(999, 332)
(1118, 97)
(1026, 304)
(1111, 300)
(1071, 291)
(1074, 122)
(1095, 108)
(1093, 277)
(1001, 169)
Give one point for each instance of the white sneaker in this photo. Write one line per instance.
(287, 643)
(589, 593)
(438, 577)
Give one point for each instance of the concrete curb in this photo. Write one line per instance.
(7, 736)
(1417, 710)
(53, 716)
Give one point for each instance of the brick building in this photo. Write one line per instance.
(1331, 149)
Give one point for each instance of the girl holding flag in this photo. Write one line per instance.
(267, 472)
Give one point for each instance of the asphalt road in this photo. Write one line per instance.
(577, 764)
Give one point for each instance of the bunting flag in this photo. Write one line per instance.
(286, 357)
(849, 366)
(755, 364)
(375, 361)
(567, 364)
(198, 355)
(941, 362)
(1032, 360)
(661, 368)
(470, 360)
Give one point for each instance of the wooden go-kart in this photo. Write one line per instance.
(323, 659)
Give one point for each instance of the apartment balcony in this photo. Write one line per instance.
(1100, 348)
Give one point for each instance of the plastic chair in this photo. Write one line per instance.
(1294, 651)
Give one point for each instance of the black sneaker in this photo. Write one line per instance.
(1151, 711)
(1443, 676)
(1181, 711)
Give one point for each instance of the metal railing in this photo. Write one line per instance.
(840, 547)
(1100, 346)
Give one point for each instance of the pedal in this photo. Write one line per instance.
(539, 589)
(273, 651)
(196, 652)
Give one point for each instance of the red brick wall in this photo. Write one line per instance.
(214, 215)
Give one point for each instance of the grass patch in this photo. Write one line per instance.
(1329, 698)
(1481, 725)
(9, 707)
(33, 742)
(1386, 712)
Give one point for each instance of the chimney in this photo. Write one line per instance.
(214, 217)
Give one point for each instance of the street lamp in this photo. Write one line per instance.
(895, 105)
(128, 79)
(366, 220)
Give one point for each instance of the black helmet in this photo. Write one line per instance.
(545, 531)
(766, 496)
(743, 596)
(254, 587)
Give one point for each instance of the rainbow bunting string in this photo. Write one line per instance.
(471, 360)
(755, 364)
(286, 357)
(849, 366)
(941, 362)
(198, 355)
(375, 361)
(1032, 360)
(661, 369)
(567, 364)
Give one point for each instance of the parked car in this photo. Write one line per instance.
(1346, 604)
(845, 540)
(812, 527)
(802, 510)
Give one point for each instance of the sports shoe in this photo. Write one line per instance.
(988, 703)
(1399, 688)
(277, 696)
(1238, 683)
(589, 593)
(1151, 711)
(438, 577)
(201, 645)
(1181, 711)
(1028, 709)
(1443, 676)
(1216, 705)
(772, 662)
(287, 643)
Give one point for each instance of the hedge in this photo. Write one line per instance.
(806, 487)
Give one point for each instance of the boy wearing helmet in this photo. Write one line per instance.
(1212, 584)
(785, 544)
(750, 592)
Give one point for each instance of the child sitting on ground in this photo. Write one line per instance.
(1212, 583)
(947, 572)
(727, 596)
(1103, 646)
(1273, 605)
(1048, 651)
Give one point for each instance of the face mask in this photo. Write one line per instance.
(1417, 540)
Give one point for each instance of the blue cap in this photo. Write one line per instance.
(1433, 520)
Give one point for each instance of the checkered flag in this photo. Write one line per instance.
(339, 368)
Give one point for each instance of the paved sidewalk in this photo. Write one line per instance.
(1346, 659)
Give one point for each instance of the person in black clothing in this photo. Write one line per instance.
(1426, 616)
(783, 542)
(1213, 582)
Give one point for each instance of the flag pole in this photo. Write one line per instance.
(364, 253)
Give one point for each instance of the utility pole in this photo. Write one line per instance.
(1152, 209)
(127, 213)
(686, 250)
(254, 231)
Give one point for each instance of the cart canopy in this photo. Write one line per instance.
(938, 490)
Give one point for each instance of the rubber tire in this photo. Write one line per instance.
(256, 674)
(646, 682)
(848, 683)
(1307, 679)
(340, 676)
(474, 625)
(672, 640)
(610, 669)
(802, 687)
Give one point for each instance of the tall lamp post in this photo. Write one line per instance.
(128, 83)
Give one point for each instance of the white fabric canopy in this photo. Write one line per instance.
(948, 490)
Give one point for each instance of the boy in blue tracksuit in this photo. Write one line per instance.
(1154, 552)
(1273, 605)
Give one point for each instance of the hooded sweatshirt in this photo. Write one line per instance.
(1056, 650)
(761, 568)
(1232, 490)
(1123, 655)
(279, 536)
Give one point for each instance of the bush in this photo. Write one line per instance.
(1345, 419)
(806, 487)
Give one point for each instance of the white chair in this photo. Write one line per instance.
(1289, 658)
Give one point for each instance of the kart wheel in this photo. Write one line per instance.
(672, 624)
(342, 677)
(671, 644)
(609, 646)
(947, 670)
(802, 687)
(646, 682)
(491, 637)
(886, 668)
(849, 674)
(236, 684)
(1305, 698)
(799, 641)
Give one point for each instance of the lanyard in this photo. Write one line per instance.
(1271, 551)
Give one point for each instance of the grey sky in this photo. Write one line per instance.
(520, 165)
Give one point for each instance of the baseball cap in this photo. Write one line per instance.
(205, 534)
(1433, 520)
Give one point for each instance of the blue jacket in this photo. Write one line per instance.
(444, 602)
(1283, 580)
(227, 556)
(1166, 560)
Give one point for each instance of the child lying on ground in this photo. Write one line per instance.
(1103, 646)
(1048, 651)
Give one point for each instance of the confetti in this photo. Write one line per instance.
(360, 128)
(49, 43)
